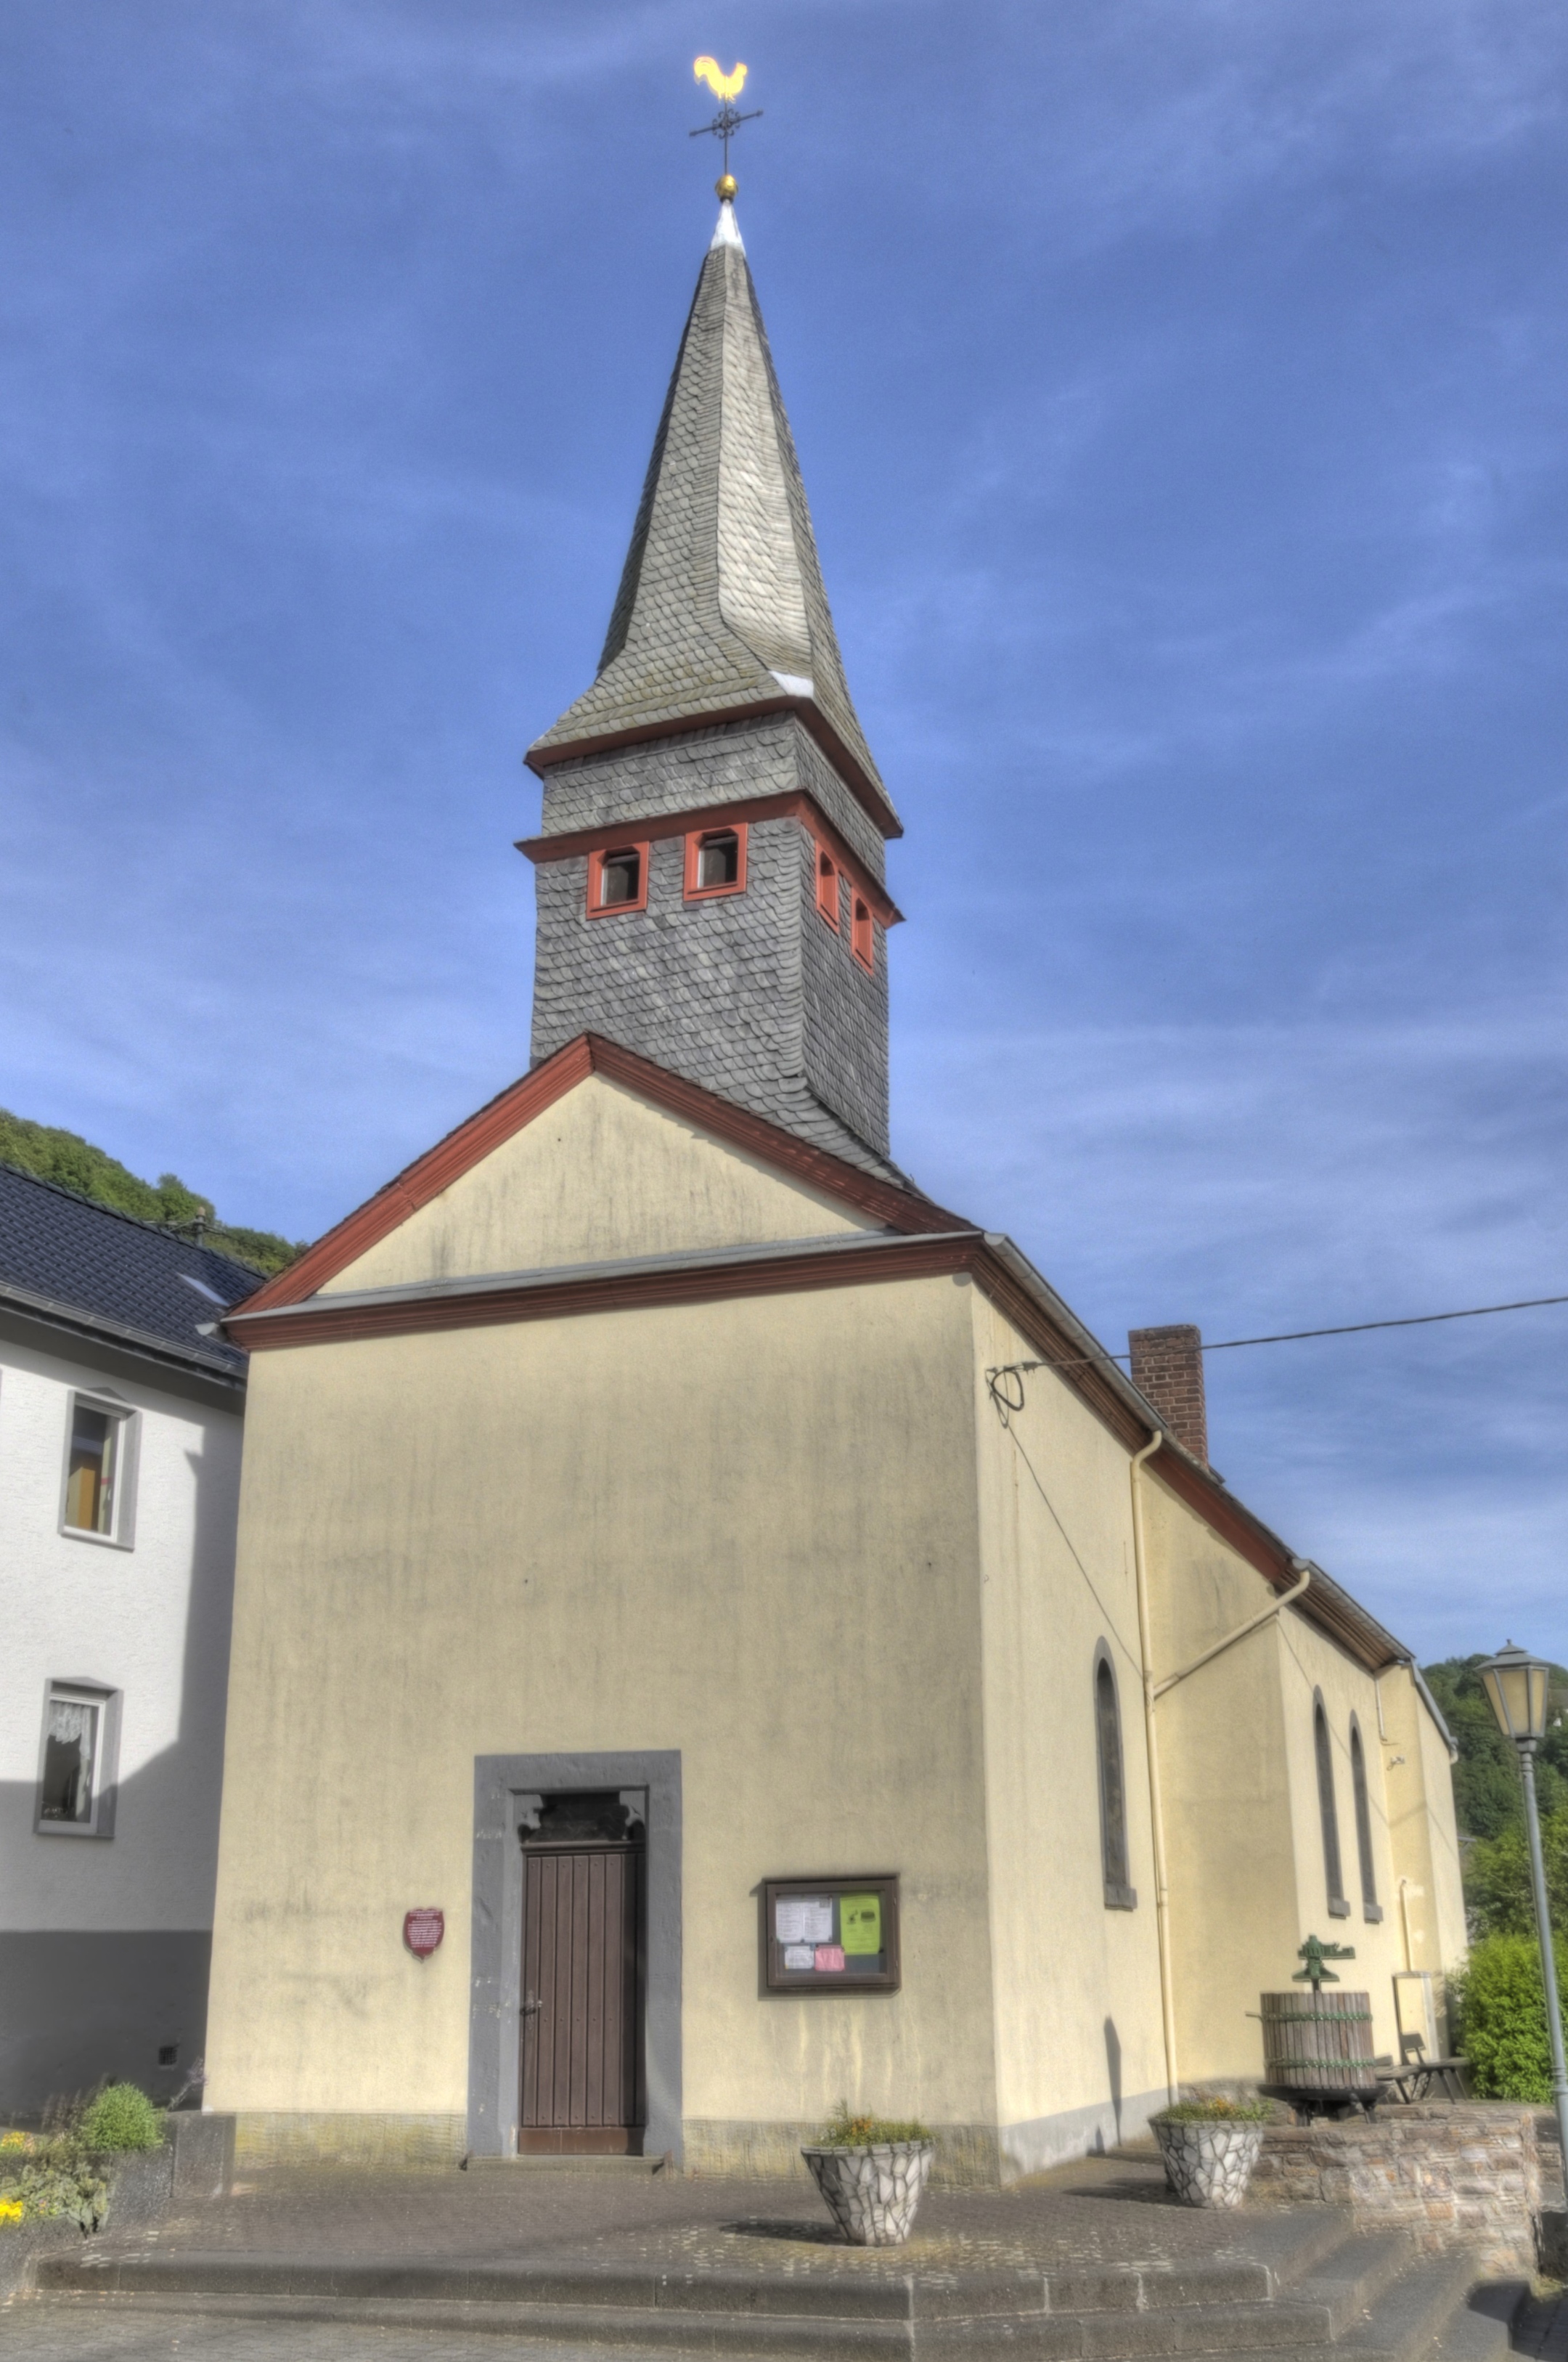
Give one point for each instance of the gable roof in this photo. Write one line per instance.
(69, 1261)
(521, 1102)
(722, 610)
(920, 1239)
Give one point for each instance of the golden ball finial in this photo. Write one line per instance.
(725, 187)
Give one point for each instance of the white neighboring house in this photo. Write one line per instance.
(121, 1423)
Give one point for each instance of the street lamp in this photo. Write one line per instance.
(1517, 1683)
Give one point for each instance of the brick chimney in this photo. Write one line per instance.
(1167, 1366)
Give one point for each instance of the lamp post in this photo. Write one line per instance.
(1516, 1685)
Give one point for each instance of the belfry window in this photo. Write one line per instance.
(827, 887)
(1370, 1907)
(1328, 1812)
(716, 861)
(617, 879)
(862, 940)
(1119, 1893)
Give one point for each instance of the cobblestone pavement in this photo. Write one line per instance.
(682, 2224)
(45, 2329)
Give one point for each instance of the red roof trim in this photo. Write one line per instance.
(322, 1322)
(589, 1053)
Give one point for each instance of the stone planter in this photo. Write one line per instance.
(1209, 2164)
(873, 2193)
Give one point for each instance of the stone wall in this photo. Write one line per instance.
(1477, 2176)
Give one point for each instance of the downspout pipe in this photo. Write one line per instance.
(1253, 1624)
(1152, 1753)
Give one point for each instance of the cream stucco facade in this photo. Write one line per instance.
(782, 1533)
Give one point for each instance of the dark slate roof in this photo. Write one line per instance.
(106, 1273)
(722, 608)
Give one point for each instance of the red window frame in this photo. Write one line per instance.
(828, 877)
(694, 844)
(596, 860)
(862, 932)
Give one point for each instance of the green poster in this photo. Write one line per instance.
(860, 1922)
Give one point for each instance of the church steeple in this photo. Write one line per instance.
(722, 610)
(710, 864)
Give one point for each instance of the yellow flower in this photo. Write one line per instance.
(14, 2140)
(10, 2210)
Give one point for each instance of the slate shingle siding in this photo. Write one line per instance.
(846, 1015)
(738, 761)
(715, 990)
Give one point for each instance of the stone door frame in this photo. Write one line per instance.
(501, 1783)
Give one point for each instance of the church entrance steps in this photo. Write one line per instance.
(626, 2168)
(1362, 2299)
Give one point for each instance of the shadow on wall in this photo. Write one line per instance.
(1113, 2073)
(80, 2003)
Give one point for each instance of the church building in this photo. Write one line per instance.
(713, 1633)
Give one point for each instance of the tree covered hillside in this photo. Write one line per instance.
(66, 1158)
(1488, 1798)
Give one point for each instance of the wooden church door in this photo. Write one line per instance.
(582, 1953)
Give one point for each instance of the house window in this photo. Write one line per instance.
(617, 879)
(76, 1773)
(1370, 1907)
(827, 887)
(98, 1470)
(862, 940)
(1334, 1877)
(716, 861)
(1120, 1894)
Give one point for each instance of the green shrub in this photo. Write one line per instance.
(1216, 2110)
(50, 2185)
(1498, 2008)
(121, 2117)
(843, 2130)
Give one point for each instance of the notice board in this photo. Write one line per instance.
(832, 1935)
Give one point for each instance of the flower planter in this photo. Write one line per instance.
(873, 2193)
(1209, 2164)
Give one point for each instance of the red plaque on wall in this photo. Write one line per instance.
(423, 1930)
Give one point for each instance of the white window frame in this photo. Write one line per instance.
(76, 1690)
(127, 1453)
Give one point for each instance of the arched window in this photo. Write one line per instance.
(1119, 1893)
(1370, 1905)
(1334, 1876)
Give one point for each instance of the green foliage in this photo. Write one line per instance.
(1216, 2110)
(1497, 1878)
(120, 2117)
(844, 2130)
(49, 2176)
(52, 2185)
(1497, 2006)
(72, 1162)
(1487, 1794)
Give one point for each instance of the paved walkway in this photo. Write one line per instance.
(1101, 2212)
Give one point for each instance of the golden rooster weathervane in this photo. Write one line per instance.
(726, 88)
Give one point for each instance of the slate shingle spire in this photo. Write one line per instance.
(721, 711)
(722, 609)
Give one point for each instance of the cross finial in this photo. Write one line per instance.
(726, 88)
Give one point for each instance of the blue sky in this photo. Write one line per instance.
(1180, 389)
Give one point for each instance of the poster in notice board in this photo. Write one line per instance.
(832, 1935)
